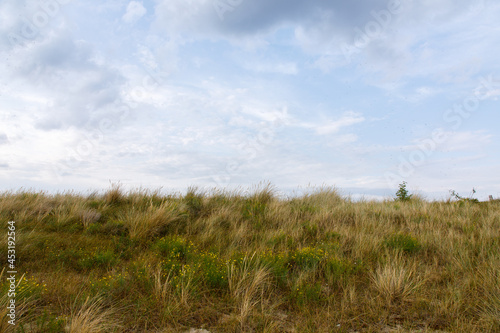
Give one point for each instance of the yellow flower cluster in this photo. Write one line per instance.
(310, 252)
(30, 285)
(270, 255)
(107, 281)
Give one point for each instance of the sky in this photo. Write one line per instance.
(358, 95)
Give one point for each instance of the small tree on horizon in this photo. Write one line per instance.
(402, 194)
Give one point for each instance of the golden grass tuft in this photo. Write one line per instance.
(250, 286)
(92, 316)
(396, 281)
(89, 216)
(114, 195)
(150, 222)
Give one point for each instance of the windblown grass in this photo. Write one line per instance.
(91, 316)
(228, 262)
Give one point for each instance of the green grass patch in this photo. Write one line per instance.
(404, 242)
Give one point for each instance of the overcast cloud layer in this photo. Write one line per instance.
(360, 95)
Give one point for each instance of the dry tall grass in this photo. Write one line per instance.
(395, 281)
(250, 285)
(229, 262)
(92, 316)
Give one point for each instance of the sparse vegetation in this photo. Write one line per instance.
(227, 262)
(459, 198)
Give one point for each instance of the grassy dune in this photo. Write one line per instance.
(143, 262)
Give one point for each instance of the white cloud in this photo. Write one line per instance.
(448, 141)
(466, 140)
(218, 99)
(490, 94)
(421, 93)
(333, 126)
(135, 10)
(59, 78)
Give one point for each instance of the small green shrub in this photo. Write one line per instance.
(336, 270)
(306, 258)
(98, 259)
(402, 194)
(211, 269)
(174, 247)
(306, 293)
(404, 242)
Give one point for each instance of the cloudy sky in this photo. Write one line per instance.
(360, 94)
